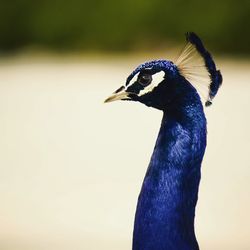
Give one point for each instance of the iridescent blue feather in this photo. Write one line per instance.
(154, 65)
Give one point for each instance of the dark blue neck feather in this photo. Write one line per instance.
(166, 205)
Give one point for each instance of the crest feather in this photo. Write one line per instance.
(196, 64)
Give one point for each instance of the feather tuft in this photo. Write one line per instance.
(196, 64)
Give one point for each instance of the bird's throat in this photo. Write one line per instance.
(166, 205)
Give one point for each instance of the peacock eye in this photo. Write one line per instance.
(145, 79)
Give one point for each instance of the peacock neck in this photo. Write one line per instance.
(166, 205)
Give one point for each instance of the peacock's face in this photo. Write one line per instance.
(148, 84)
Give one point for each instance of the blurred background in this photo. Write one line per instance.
(66, 178)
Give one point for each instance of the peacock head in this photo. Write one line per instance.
(158, 83)
(147, 84)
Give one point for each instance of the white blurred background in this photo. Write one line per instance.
(71, 167)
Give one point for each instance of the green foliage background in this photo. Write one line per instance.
(113, 25)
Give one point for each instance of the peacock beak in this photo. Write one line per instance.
(119, 94)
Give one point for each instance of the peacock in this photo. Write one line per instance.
(165, 212)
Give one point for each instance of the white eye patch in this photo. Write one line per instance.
(132, 81)
(157, 79)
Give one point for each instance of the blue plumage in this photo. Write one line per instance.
(155, 65)
(165, 211)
